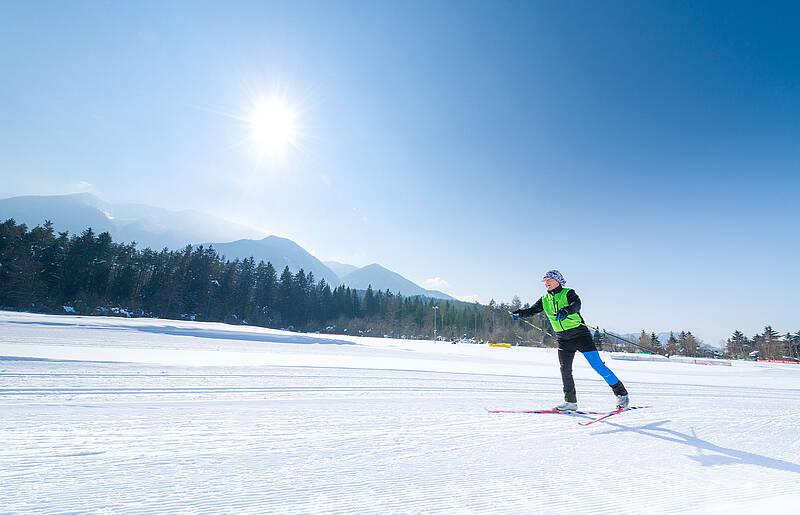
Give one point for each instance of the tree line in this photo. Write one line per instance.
(767, 345)
(684, 344)
(45, 271)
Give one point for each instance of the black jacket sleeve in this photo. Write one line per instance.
(574, 305)
(536, 308)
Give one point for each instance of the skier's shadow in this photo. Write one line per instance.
(720, 456)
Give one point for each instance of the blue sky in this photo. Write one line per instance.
(648, 150)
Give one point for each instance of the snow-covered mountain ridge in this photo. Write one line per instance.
(159, 228)
(148, 226)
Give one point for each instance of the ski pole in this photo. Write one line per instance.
(534, 326)
(649, 349)
(605, 332)
(542, 330)
(530, 324)
(623, 339)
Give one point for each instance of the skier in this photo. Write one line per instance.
(562, 307)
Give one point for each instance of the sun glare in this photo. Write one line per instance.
(273, 126)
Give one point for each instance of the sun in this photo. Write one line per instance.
(273, 126)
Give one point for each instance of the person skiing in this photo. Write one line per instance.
(562, 307)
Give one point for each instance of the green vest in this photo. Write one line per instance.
(552, 303)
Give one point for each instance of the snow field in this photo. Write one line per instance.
(104, 415)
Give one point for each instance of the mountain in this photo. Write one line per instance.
(341, 269)
(281, 252)
(73, 213)
(158, 228)
(380, 278)
(148, 226)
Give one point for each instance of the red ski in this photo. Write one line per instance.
(574, 412)
(615, 412)
(602, 414)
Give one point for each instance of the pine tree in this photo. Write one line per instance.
(54, 270)
(285, 298)
(672, 344)
(300, 288)
(682, 345)
(654, 343)
(597, 338)
(768, 344)
(266, 283)
(644, 340)
(369, 303)
(795, 349)
(227, 301)
(737, 345)
(124, 282)
(18, 268)
(691, 344)
(324, 309)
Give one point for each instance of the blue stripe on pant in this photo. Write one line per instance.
(597, 364)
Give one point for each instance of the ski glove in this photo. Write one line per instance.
(561, 314)
(515, 315)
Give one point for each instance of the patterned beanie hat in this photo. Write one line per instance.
(555, 274)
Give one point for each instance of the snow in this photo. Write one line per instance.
(125, 415)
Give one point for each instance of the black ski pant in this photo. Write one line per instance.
(566, 355)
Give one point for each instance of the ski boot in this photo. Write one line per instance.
(567, 406)
(622, 401)
(570, 403)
